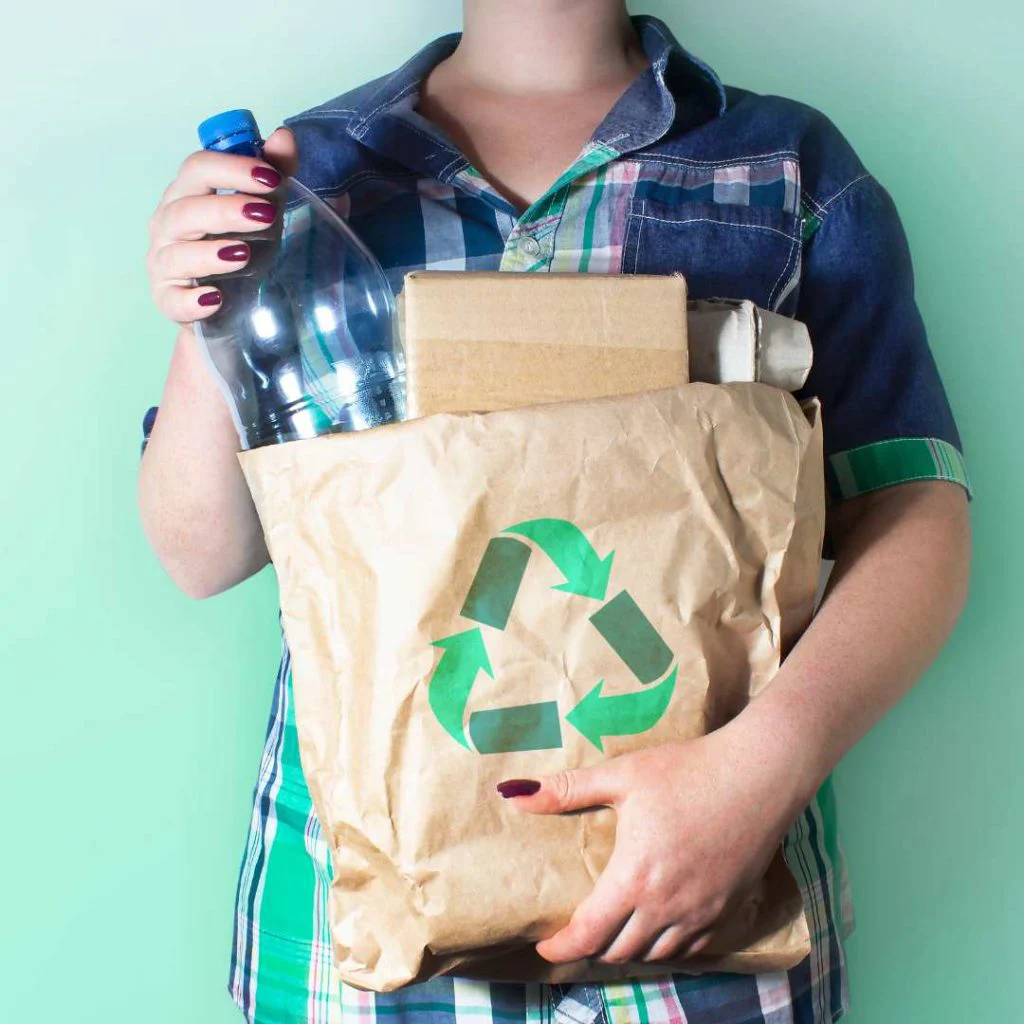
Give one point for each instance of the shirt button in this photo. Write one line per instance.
(529, 245)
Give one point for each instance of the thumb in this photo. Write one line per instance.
(281, 151)
(572, 790)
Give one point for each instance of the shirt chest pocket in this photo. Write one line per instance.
(723, 250)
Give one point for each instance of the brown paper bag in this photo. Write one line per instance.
(453, 590)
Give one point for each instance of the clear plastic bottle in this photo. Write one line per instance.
(305, 339)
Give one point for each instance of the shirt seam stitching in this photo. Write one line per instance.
(845, 494)
(725, 223)
(388, 82)
(334, 114)
(446, 173)
(346, 184)
(822, 210)
(364, 124)
(793, 250)
(895, 440)
(757, 158)
(426, 135)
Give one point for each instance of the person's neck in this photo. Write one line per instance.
(546, 46)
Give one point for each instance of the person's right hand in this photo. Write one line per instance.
(190, 208)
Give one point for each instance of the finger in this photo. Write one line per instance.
(666, 946)
(184, 304)
(281, 151)
(571, 790)
(204, 171)
(595, 923)
(697, 943)
(181, 261)
(192, 217)
(631, 941)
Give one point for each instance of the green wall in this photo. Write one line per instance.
(133, 717)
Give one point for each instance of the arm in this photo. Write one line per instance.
(195, 506)
(898, 587)
(699, 820)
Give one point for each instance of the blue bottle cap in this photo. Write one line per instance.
(229, 129)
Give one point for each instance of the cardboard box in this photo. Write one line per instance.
(479, 342)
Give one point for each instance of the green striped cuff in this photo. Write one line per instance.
(896, 461)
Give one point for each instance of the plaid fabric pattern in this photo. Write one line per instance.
(896, 461)
(418, 204)
(771, 180)
(282, 972)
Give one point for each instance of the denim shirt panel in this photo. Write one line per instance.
(749, 196)
(675, 186)
(731, 186)
(873, 369)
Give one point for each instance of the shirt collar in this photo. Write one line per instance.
(677, 90)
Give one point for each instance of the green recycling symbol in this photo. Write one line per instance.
(537, 726)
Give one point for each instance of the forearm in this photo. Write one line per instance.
(898, 586)
(195, 506)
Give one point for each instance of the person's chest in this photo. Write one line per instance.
(723, 209)
(519, 146)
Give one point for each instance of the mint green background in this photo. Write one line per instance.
(133, 717)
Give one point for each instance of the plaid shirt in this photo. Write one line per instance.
(751, 197)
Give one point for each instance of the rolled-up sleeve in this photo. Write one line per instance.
(885, 413)
(147, 427)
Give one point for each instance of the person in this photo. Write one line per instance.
(566, 135)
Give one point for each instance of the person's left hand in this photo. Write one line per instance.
(698, 822)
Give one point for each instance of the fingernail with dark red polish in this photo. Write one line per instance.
(518, 787)
(264, 212)
(209, 299)
(267, 176)
(235, 253)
